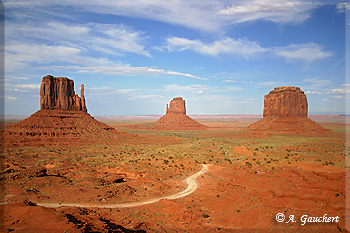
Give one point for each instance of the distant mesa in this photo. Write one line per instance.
(285, 112)
(176, 118)
(63, 119)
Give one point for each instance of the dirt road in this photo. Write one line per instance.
(192, 186)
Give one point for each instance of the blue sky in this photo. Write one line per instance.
(133, 57)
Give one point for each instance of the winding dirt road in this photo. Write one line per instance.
(192, 186)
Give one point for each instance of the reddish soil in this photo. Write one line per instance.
(251, 180)
(171, 121)
(57, 127)
(180, 121)
(287, 125)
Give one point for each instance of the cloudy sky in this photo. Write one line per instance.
(133, 57)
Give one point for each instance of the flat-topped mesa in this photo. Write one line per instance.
(58, 93)
(177, 105)
(285, 102)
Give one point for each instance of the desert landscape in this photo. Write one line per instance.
(65, 171)
(174, 116)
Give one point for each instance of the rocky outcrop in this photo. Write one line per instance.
(58, 93)
(176, 118)
(285, 112)
(285, 102)
(63, 119)
(177, 105)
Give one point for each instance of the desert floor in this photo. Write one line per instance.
(250, 180)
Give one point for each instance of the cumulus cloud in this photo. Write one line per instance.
(239, 47)
(278, 11)
(308, 52)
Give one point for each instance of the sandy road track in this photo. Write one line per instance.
(192, 186)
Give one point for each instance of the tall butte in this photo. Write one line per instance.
(62, 119)
(176, 118)
(285, 112)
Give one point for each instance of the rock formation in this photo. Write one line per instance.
(285, 111)
(176, 118)
(285, 102)
(63, 119)
(177, 105)
(58, 93)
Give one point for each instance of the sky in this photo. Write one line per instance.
(135, 56)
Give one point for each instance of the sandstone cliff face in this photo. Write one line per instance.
(58, 93)
(177, 105)
(285, 102)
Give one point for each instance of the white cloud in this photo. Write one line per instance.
(192, 14)
(338, 97)
(199, 89)
(11, 98)
(343, 6)
(229, 81)
(122, 70)
(105, 38)
(195, 88)
(308, 52)
(268, 84)
(28, 86)
(339, 91)
(313, 92)
(316, 83)
(22, 87)
(18, 56)
(278, 11)
(209, 15)
(239, 47)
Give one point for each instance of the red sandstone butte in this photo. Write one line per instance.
(285, 112)
(63, 119)
(176, 118)
(177, 105)
(58, 93)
